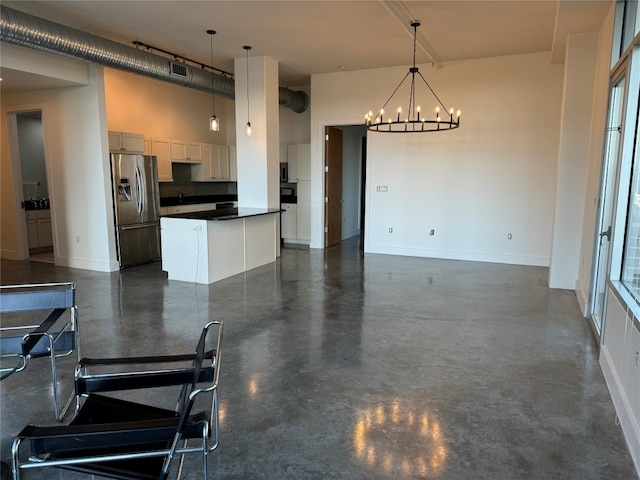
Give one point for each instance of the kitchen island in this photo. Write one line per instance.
(204, 247)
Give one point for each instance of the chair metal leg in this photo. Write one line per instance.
(205, 450)
(15, 462)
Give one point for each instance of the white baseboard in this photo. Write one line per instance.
(87, 264)
(531, 260)
(583, 299)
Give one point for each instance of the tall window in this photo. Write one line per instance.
(631, 253)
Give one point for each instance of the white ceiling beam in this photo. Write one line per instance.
(404, 17)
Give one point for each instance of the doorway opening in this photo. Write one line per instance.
(344, 183)
(32, 187)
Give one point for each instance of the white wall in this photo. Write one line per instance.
(76, 150)
(577, 108)
(160, 109)
(294, 127)
(493, 176)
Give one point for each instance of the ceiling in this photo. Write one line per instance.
(311, 37)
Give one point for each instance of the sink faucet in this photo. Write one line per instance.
(182, 195)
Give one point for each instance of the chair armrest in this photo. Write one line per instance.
(111, 382)
(86, 362)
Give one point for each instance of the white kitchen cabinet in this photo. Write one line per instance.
(233, 163)
(215, 166)
(32, 230)
(45, 237)
(298, 159)
(39, 231)
(186, 152)
(303, 211)
(292, 161)
(125, 142)
(221, 162)
(161, 148)
(303, 161)
(288, 221)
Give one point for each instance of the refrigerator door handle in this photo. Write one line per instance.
(139, 190)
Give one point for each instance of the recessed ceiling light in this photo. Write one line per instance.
(341, 67)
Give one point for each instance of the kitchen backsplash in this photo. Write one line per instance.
(182, 183)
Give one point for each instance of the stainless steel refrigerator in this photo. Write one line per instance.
(137, 208)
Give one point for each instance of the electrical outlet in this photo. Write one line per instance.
(77, 238)
(390, 229)
(432, 232)
(382, 188)
(637, 359)
(509, 236)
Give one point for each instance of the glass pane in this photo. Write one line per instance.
(631, 254)
(609, 176)
(629, 23)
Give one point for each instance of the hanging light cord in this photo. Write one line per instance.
(213, 97)
(247, 48)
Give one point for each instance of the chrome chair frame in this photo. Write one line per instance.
(130, 439)
(53, 337)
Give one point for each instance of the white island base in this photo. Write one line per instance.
(204, 248)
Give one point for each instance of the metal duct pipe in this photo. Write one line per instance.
(33, 32)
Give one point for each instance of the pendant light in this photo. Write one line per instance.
(415, 121)
(214, 121)
(248, 130)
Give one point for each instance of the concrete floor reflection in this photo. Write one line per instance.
(382, 432)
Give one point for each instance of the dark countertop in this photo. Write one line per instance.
(225, 213)
(195, 199)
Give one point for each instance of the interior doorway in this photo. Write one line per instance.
(344, 182)
(31, 185)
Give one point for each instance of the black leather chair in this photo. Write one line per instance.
(125, 439)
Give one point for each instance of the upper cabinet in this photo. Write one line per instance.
(186, 152)
(303, 160)
(298, 158)
(233, 163)
(126, 142)
(161, 148)
(215, 166)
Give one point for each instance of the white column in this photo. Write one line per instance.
(573, 160)
(258, 155)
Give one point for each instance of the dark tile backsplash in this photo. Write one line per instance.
(182, 183)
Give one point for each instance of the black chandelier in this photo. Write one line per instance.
(415, 121)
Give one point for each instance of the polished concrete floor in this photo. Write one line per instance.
(338, 365)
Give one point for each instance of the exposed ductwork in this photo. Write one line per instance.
(29, 31)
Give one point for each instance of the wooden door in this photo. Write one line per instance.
(333, 187)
